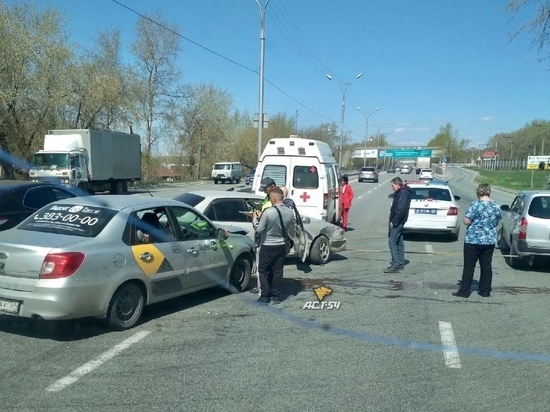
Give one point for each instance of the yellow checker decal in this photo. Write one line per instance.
(151, 266)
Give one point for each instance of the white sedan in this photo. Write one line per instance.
(433, 210)
(314, 240)
(426, 174)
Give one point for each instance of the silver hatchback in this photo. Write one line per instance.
(525, 228)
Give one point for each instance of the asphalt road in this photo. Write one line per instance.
(398, 342)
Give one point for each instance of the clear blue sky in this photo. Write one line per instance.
(425, 63)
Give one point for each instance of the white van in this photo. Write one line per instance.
(227, 172)
(309, 171)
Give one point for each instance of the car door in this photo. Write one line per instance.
(232, 213)
(160, 255)
(510, 218)
(204, 255)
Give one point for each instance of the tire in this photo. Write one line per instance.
(240, 274)
(239, 181)
(319, 253)
(360, 180)
(454, 237)
(215, 181)
(126, 307)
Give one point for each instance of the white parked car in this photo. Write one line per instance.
(426, 174)
(233, 210)
(433, 210)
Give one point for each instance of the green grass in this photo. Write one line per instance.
(515, 180)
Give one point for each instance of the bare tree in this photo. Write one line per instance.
(156, 48)
(538, 26)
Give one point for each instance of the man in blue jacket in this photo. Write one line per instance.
(399, 213)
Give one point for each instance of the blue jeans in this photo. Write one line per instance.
(397, 247)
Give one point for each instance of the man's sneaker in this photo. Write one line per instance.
(276, 300)
(391, 269)
(264, 300)
(401, 267)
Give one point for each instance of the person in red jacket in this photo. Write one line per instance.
(346, 196)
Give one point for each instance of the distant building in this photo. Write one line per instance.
(168, 172)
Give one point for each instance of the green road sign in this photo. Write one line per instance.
(405, 153)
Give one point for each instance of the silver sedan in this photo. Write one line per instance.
(314, 239)
(109, 256)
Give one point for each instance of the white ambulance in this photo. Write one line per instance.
(309, 171)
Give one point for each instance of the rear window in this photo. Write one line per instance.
(368, 169)
(190, 198)
(422, 193)
(78, 220)
(540, 207)
(305, 177)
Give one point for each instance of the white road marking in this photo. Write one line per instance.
(429, 249)
(450, 351)
(94, 364)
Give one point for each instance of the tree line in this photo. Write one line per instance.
(47, 82)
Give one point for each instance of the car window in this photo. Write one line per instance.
(190, 198)
(68, 219)
(305, 177)
(430, 193)
(277, 173)
(36, 198)
(151, 225)
(540, 207)
(193, 226)
(227, 210)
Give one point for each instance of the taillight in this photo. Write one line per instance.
(522, 234)
(325, 201)
(61, 265)
(453, 211)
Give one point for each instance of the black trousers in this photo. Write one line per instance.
(271, 263)
(473, 254)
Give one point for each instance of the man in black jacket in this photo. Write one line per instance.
(399, 213)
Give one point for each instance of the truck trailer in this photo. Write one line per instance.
(91, 160)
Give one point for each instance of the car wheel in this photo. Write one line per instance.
(215, 181)
(240, 274)
(360, 180)
(320, 251)
(376, 181)
(126, 307)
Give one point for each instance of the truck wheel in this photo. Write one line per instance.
(320, 251)
(240, 274)
(125, 186)
(116, 187)
(125, 307)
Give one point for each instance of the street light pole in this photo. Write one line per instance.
(378, 139)
(261, 91)
(367, 115)
(343, 87)
(385, 147)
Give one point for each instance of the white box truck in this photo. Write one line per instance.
(92, 160)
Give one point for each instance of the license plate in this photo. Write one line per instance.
(425, 211)
(9, 306)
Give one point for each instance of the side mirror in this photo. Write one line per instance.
(222, 234)
(457, 197)
(505, 208)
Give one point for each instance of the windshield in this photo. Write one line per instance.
(51, 160)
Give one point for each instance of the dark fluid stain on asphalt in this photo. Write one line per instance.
(301, 284)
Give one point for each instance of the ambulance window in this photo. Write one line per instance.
(277, 173)
(305, 177)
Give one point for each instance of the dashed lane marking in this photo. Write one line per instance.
(96, 363)
(450, 350)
